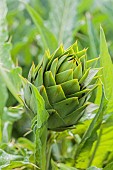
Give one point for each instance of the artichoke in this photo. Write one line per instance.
(66, 81)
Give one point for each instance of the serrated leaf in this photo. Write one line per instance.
(5, 158)
(6, 63)
(38, 106)
(9, 84)
(60, 25)
(8, 118)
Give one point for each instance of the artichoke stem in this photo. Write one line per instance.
(41, 144)
(49, 148)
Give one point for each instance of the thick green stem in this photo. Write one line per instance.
(49, 147)
(41, 143)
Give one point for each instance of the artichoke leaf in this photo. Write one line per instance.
(75, 47)
(77, 74)
(81, 53)
(92, 63)
(54, 66)
(55, 94)
(31, 73)
(84, 76)
(91, 75)
(38, 67)
(27, 94)
(69, 64)
(64, 76)
(69, 51)
(72, 49)
(70, 86)
(80, 93)
(49, 79)
(72, 118)
(46, 59)
(37, 104)
(83, 61)
(87, 95)
(43, 93)
(66, 106)
(55, 122)
(61, 60)
(39, 79)
(55, 55)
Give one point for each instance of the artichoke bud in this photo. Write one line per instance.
(65, 80)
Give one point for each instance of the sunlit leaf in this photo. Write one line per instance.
(105, 146)
(109, 166)
(107, 71)
(19, 165)
(83, 158)
(83, 5)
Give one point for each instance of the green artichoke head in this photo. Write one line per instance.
(66, 81)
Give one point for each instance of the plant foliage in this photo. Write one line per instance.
(27, 29)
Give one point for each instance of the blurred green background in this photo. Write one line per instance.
(68, 21)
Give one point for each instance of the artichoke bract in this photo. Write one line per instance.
(66, 81)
